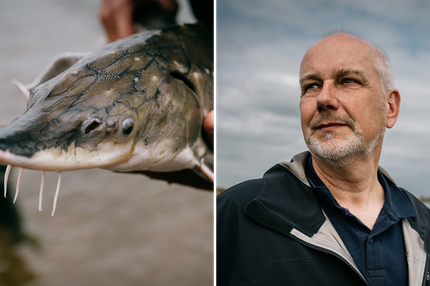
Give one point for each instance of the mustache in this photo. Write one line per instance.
(331, 117)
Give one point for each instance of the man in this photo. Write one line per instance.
(331, 216)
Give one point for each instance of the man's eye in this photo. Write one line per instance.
(310, 86)
(347, 80)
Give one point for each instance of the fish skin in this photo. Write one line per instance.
(159, 82)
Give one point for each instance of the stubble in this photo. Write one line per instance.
(338, 152)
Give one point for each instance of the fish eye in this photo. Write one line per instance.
(127, 126)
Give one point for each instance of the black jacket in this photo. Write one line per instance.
(271, 231)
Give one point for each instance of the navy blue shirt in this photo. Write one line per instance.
(379, 253)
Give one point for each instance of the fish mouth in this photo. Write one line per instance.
(59, 160)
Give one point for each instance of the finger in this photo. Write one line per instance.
(123, 19)
(208, 126)
(117, 18)
(107, 19)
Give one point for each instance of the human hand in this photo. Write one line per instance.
(208, 127)
(117, 15)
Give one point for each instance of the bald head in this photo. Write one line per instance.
(352, 47)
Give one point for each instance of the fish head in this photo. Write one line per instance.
(77, 128)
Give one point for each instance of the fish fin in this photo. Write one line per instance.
(207, 167)
(59, 64)
(22, 88)
(207, 171)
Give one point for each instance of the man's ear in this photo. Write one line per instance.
(392, 99)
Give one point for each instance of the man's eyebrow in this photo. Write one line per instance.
(338, 73)
(344, 72)
(308, 77)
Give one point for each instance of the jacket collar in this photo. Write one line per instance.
(287, 200)
(299, 161)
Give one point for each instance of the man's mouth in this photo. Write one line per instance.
(331, 122)
(330, 125)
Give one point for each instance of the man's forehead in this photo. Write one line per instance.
(338, 51)
(340, 42)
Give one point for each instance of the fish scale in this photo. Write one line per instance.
(136, 105)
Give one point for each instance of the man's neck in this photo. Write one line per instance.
(355, 187)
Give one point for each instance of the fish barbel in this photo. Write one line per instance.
(136, 105)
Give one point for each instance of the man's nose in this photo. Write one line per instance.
(327, 99)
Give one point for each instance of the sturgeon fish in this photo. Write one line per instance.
(136, 105)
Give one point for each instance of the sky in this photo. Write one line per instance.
(260, 45)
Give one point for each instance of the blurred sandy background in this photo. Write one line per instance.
(109, 229)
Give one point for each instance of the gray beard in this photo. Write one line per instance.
(339, 153)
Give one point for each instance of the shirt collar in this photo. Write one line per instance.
(395, 199)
